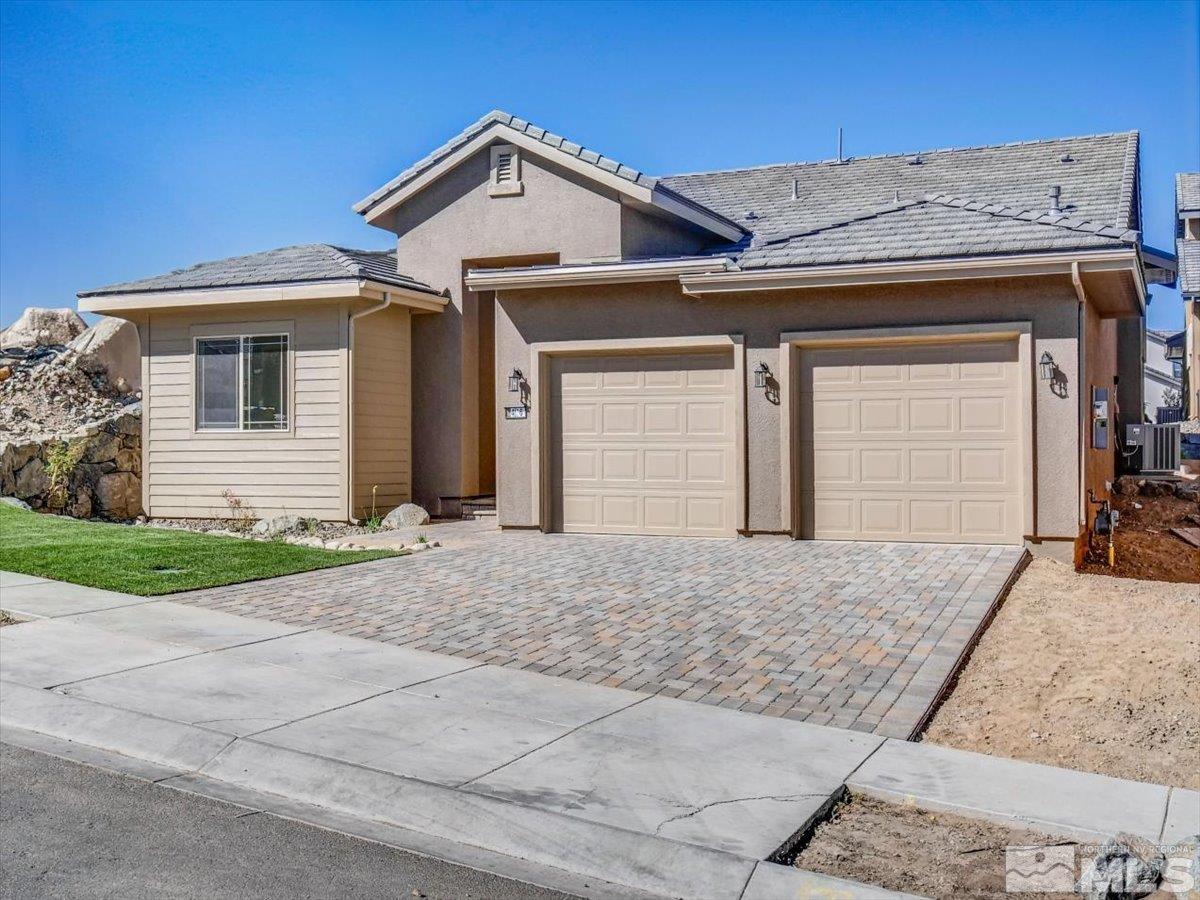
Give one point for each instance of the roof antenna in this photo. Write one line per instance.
(841, 159)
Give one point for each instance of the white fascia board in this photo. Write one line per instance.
(349, 289)
(600, 273)
(918, 270)
(373, 211)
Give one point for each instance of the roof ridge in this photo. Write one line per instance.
(1129, 180)
(342, 258)
(850, 159)
(1061, 220)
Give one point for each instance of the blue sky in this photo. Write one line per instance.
(136, 138)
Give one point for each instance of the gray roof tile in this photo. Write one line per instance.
(1000, 194)
(1187, 191)
(1188, 253)
(302, 263)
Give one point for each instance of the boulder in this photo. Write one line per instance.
(104, 447)
(1158, 488)
(111, 348)
(1126, 867)
(1127, 486)
(118, 495)
(15, 501)
(39, 327)
(275, 525)
(31, 480)
(406, 515)
(1188, 490)
(80, 503)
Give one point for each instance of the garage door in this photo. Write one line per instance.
(914, 443)
(644, 444)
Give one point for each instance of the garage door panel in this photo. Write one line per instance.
(660, 458)
(911, 443)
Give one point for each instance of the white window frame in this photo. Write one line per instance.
(513, 187)
(286, 375)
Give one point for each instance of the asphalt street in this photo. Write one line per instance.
(69, 831)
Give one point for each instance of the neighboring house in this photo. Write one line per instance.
(1161, 372)
(1187, 250)
(918, 347)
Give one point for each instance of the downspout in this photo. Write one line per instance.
(355, 316)
(1084, 403)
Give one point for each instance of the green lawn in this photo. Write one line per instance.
(149, 561)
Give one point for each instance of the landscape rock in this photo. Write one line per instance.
(111, 348)
(284, 524)
(15, 501)
(1157, 488)
(119, 495)
(31, 480)
(1127, 486)
(104, 447)
(1125, 867)
(79, 503)
(406, 515)
(40, 327)
(1188, 490)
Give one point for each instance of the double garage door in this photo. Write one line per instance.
(896, 443)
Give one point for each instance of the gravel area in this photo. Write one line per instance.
(1086, 672)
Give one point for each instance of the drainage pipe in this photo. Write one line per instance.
(354, 317)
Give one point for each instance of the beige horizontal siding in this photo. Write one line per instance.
(381, 361)
(302, 472)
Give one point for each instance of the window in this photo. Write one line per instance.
(241, 383)
(506, 171)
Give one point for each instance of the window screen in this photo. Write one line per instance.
(241, 383)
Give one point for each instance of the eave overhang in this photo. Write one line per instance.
(291, 292)
(594, 273)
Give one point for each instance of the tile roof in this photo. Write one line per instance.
(974, 200)
(1188, 253)
(302, 263)
(499, 117)
(1187, 191)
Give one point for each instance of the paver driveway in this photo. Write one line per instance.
(855, 635)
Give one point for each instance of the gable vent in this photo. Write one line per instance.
(505, 180)
(504, 167)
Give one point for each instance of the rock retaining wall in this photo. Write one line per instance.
(106, 481)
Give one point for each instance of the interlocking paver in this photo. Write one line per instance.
(858, 634)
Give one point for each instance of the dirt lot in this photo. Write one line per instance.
(1146, 548)
(903, 848)
(1087, 672)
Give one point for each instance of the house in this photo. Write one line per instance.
(912, 347)
(1186, 348)
(1161, 373)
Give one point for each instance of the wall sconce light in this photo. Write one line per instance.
(514, 381)
(1046, 366)
(761, 374)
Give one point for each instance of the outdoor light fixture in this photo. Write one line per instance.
(761, 374)
(514, 381)
(1046, 366)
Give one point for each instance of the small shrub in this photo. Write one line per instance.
(422, 538)
(61, 460)
(310, 525)
(241, 516)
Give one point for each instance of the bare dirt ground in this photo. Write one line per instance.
(1146, 549)
(1086, 672)
(906, 849)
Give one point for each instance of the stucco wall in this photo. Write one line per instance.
(454, 220)
(638, 311)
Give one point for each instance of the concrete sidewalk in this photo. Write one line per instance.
(577, 787)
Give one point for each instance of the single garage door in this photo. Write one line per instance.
(912, 443)
(644, 444)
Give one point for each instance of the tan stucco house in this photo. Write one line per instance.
(916, 347)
